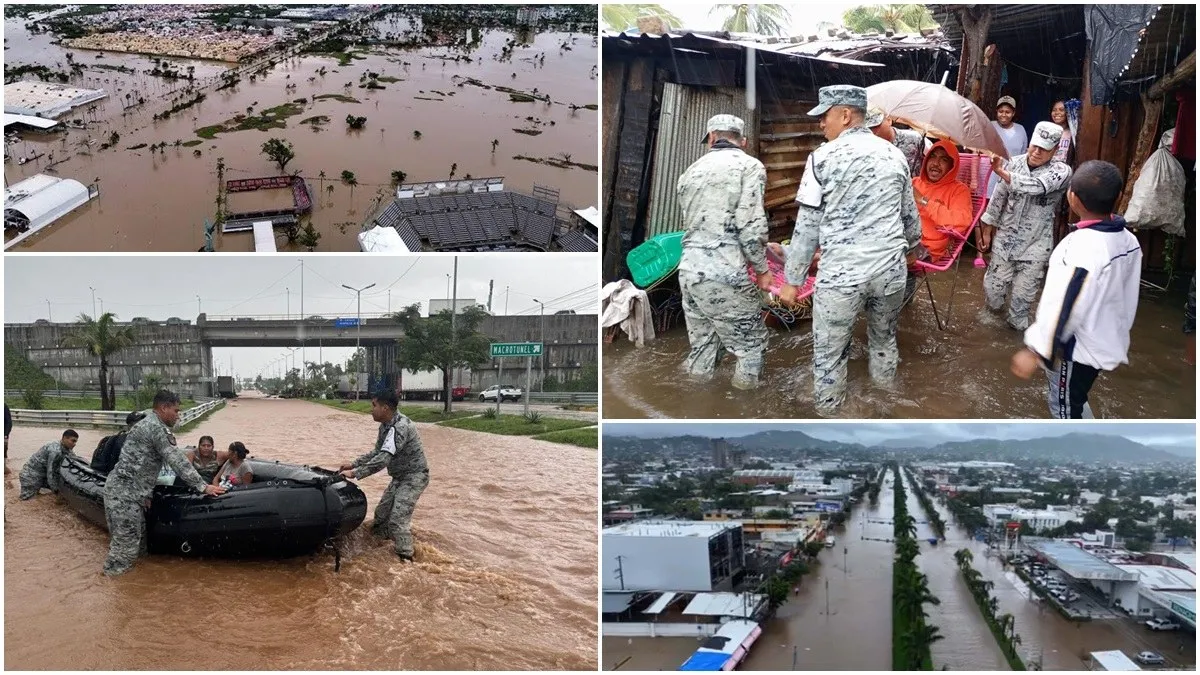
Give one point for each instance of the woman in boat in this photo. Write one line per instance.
(235, 472)
(207, 461)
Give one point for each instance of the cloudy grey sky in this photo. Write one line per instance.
(924, 433)
(165, 286)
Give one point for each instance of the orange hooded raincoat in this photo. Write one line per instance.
(949, 204)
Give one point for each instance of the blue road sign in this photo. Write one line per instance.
(345, 323)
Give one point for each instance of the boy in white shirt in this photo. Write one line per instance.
(1089, 299)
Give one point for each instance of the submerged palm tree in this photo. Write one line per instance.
(620, 17)
(754, 18)
(100, 338)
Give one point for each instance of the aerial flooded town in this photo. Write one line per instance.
(995, 547)
(390, 128)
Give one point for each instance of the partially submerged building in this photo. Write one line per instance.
(38, 201)
(478, 215)
(46, 99)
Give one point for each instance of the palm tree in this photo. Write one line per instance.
(100, 338)
(963, 557)
(882, 18)
(350, 179)
(620, 17)
(754, 18)
(1007, 623)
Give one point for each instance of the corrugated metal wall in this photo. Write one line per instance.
(684, 114)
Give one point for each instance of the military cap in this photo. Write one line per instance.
(724, 122)
(840, 94)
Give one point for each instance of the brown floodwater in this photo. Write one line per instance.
(504, 578)
(962, 372)
(159, 201)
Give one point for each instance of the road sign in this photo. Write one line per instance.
(345, 323)
(504, 349)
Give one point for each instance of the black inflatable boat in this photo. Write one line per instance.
(288, 510)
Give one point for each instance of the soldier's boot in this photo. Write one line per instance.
(745, 375)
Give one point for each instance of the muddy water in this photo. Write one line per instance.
(959, 373)
(1046, 637)
(967, 642)
(159, 201)
(504, 579)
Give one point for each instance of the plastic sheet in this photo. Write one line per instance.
(1157, 199)
(1113, 31)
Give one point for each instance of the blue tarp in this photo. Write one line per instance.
(707, 661)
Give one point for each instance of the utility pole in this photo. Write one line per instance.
(621, 571)
(303, 376)
(491, 285)
(199, 311)
(49, 312)
(94, 315)
(358, 337)
(288, 292)
(453, 340)
(542, 338)
(506, 301)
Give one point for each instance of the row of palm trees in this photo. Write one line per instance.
(1003, 625)
(912, 635)
(935, 519)
(774, 19)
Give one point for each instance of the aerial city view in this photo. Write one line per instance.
(978, 547)
(391, 128)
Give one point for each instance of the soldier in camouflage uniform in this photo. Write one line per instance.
(1022, 213)
(721, 195)
(857, 205)
(397, 447)
(129, 485)
(41, 471)
(911, 143)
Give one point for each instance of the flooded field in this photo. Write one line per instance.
(430, 113)
(504, 578)
(962, 372)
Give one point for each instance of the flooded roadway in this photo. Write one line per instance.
(959, 373)
(1046, 637)
(159, 201)
(504, 579)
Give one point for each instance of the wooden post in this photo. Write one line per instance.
(1091, 118)
(631, 166)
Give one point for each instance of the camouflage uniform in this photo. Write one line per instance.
(721, 195)
(1023, 214)
(857, 206)
(127, 490)
(207, 468)
(398, 447)
(41, 471)
(911, 143)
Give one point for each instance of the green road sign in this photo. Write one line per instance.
(503, 349)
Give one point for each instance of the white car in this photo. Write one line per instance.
(1162, 624)
(1151, 658)
(506, 392)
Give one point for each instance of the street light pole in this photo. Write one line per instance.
(199, 311)
(542, 339)
(93, 301)
(358, 336)
(453, 339)
(49, 312)
(288, 292)
(303, 355)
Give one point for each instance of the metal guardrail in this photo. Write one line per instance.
(575, 397)
(101, 418)
(73, 393)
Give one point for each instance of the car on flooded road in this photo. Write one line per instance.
(1150, 659)
(1162, 624)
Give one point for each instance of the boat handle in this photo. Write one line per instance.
(186, 547)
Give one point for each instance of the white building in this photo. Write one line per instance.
(1038, 519)
(671, 555)
(38, 201)
(46, 99)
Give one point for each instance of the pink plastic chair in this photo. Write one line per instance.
(974, 171)
(780, 278)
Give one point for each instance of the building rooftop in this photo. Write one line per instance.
(1188, 559)
(46, 99)
(1162, 578)
(670, 528)
(29, 120)
(1079, 563)
(741, 605)
(1114, 660)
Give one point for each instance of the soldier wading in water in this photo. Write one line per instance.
(127, 490)
(397, 447)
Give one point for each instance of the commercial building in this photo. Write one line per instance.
(46, 99)
(38, 201)
(1038, 519)
(672, 556)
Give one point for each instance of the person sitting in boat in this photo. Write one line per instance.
(108, 451)
(41, 470)
(943, 201)
(235, 472)
(205, 460)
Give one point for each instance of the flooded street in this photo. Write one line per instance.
(504, 578)
(425, 119)
(962, 372)
(1046, 637)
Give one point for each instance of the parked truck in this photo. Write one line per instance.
(362, 383)
(225, 388)
(427, 385)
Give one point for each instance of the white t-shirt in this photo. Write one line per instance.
(1016, 141)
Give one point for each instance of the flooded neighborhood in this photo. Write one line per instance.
(164, 116)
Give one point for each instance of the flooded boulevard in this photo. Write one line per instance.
(427, 119)
(962, 372)
(504, 578)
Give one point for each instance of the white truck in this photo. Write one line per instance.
(427, 384)
(362, 383)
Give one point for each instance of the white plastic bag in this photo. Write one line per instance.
(1157, 199)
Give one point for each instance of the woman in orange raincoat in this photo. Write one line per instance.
(942, 200)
